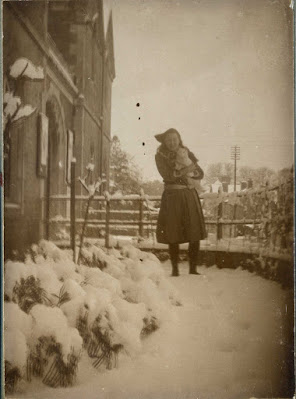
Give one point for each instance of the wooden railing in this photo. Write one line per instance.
(145, 216)
(266, 215)
(226, 215)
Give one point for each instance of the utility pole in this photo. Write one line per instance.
(235, 155)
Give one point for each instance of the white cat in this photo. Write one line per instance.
(183, 160)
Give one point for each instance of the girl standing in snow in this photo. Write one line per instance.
(180, 218)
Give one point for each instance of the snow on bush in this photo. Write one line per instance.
(55, 347)
(13, 110)
(17, 331)
(66, 270)
(10, 104)
(115, 266)
(145, 291)
(142, 280)
(28, 283)
(99, 279)
(16, 350)
(24, 111)
(73, 310)
(119, 322)
(24, 67)
(105, 305)
(94, 258)
(130, 323)
(139, 273)
(50, 251)
(96, 300)
(130, 251)
(49, 321)
(49, 281)
(14, 272)
(15, 318)
(73, 289)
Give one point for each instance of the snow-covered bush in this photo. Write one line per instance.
(141, 280)
(267, 213)
(13, 110)
(40, 344)
(97, 278)
(54, 345)
(46, 361)
(94, 258)
(48, 250)
(105, 305)
(16, 349)
(106, 322)
(17, 330)
(12, 374)
(100, 343)
(28, 292)
(29, 284)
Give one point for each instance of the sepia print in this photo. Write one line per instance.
(148, 199)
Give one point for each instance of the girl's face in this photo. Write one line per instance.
(172, 141)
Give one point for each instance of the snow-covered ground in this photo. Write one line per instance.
(228, 340)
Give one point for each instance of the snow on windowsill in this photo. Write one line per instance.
(12, 205)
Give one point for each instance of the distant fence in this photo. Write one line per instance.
(264, 216)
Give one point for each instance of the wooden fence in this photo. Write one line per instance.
(266, 215)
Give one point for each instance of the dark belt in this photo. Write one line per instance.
(175, 187)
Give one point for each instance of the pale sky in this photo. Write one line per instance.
(219, 71)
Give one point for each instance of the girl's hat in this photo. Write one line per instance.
(161, 136)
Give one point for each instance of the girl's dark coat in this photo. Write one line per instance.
(180, 217)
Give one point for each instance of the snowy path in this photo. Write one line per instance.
(225, 342)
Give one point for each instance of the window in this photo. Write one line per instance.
(13, 164)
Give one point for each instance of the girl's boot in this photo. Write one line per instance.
(193, 252)
(174, 256)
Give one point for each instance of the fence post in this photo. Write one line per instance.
(141, 213)
(235, 226)
(219, 224)
(107, 228)
(72, 210)
(47, 207)
(83, 228)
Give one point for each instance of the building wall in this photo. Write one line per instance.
(22, 209)
(74, 84)
(88, 29)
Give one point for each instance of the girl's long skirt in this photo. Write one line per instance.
(180, 217)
